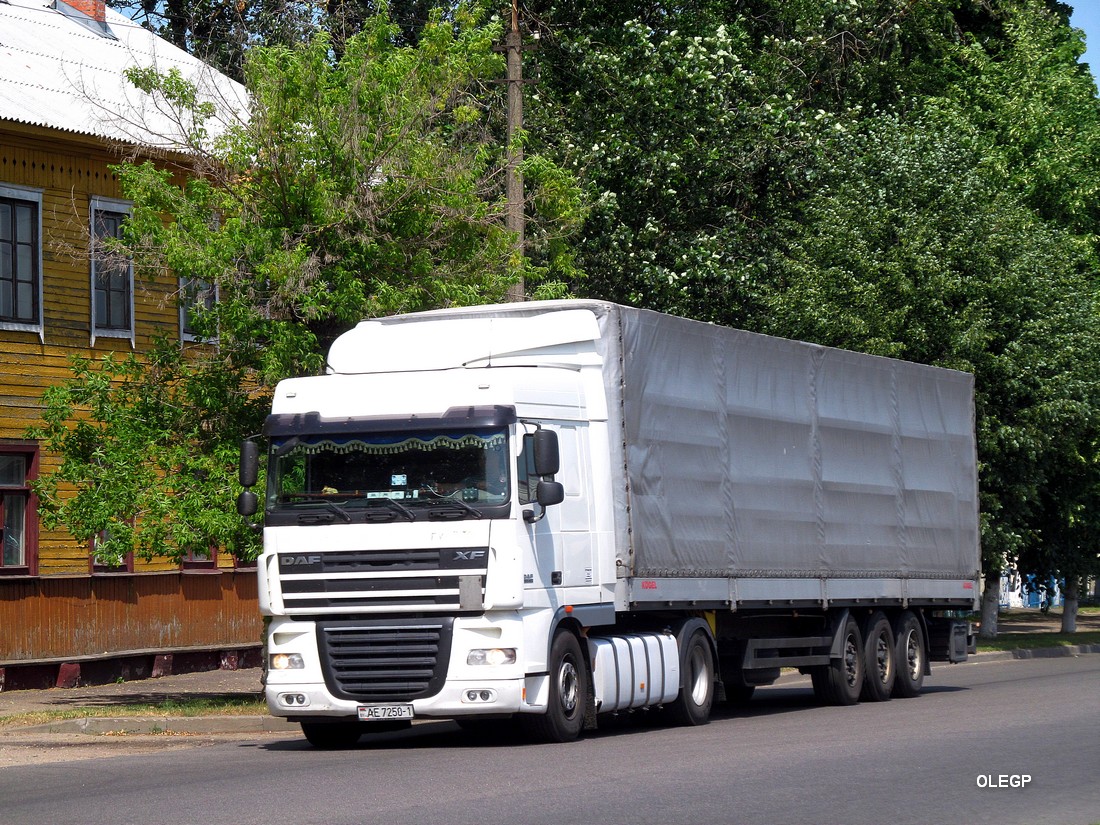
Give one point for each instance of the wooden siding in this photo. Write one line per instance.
(69, 170)
(66, 617)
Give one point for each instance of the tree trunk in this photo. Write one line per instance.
(991, 604)
(1069, 604)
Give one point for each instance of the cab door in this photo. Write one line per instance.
(561, 542)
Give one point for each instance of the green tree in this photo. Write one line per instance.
(363, 184)
(149, 443)
(696, 128)
(913, 248)
(1037, 108)
(913, 179)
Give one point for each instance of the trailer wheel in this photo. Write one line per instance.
(910, 656)
(564, 717)
(692, 705)
(332, 735)
(841, 681)
(879, 662)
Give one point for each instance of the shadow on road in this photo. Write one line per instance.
(771, 701)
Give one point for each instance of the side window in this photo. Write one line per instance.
(196, 296)
(112, 274)
(17, 518)
(20, 258)
(525, 472)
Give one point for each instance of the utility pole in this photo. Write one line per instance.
(513, 45)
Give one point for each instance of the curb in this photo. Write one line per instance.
(189, 725)
(1055, 652)
(1034, 653)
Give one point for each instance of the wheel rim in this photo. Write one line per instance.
(882, 658)
(568, 687)
(851, 661)
(913, 661)
(700, 682)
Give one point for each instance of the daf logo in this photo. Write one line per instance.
(294, 561)
(469, 555)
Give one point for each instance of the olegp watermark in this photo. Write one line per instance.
(1004, 780)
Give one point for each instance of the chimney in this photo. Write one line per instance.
(90, 13)
(95, 9)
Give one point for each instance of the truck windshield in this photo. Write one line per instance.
(390, 476)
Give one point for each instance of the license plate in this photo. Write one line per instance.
(383, 713)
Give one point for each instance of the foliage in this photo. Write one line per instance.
(361, 186)
(364, 183)
(910, 179)
(149, 444)
(1038, 109)
(912, 249)
(223, 32)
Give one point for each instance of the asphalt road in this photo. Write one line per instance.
(951, 755)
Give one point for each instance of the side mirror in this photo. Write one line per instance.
(250, 463)
(549, 493)
(247, 503)
(547, 457)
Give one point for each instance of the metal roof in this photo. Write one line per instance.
(60, 70)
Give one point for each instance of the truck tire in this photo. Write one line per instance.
(879, 663)
(841, 681)
(565, 710)
(910, 655)
(332, 735)
(695, 699)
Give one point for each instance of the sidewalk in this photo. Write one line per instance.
(242, 685)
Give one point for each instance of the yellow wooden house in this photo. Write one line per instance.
(67, 113)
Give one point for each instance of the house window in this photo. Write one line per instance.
(196, 296)
(99, 566)
(20, 258)
(200, 560)
(17, 517)
(112, 274)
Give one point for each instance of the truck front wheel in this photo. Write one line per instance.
(564, 717)
(692, 705)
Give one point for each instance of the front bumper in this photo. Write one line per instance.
(336, 674)
(455, 699)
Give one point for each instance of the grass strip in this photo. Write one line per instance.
(1034, 641)
(204, 706)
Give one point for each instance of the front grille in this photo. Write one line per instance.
(385, 661)
(331, 581)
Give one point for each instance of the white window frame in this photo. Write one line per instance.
(29, 516)
(32, 195)
(184, 305)
(100, 204)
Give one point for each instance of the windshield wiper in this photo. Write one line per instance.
(393, 505)
(336, 508)
(450, 505)
(324, 502)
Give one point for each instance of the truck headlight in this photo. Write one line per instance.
(286, 661)
(492, 656)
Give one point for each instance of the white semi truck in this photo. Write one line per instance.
(557, 510)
